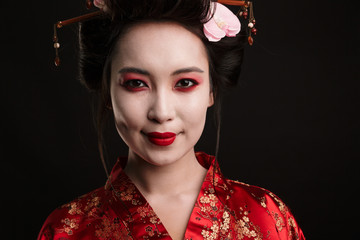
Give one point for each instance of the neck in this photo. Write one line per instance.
(182, 176)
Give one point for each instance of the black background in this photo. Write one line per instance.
(290, 125)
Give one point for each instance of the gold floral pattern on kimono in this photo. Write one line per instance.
(111, 229)
(69, 225)
(224, 209)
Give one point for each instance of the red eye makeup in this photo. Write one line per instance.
(136, 80)
(188, 83)
(133, 82)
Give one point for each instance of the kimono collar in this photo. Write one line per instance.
(139, 217)
(205, 160)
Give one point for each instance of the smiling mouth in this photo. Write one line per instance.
(161, 139)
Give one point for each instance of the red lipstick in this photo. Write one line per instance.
(161, 139)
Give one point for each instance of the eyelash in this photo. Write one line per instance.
(193, 83)
(127, 84)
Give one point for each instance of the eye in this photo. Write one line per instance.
(134, 84)
(186, 83)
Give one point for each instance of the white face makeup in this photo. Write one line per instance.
(160, 91)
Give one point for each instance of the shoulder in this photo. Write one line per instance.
(257, 195)
(75, 217)
(264, 208)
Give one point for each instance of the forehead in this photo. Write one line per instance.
(160, 44)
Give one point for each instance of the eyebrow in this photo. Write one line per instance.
(187, 70)
(144, 72)
(134, 70)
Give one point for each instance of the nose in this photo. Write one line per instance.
(162, 107)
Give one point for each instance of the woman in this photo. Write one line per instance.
(159, 65)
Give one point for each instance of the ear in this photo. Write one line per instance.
(211, 99)
(108, 103)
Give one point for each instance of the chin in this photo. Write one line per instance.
(162, 157)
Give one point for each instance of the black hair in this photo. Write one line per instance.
(97, 39)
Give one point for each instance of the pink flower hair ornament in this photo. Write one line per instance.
(101, 5)
(223, 23)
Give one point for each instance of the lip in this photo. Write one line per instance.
(161, 139)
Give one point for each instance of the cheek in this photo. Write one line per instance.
(128, 112)
(195, 110)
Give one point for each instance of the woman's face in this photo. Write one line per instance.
(160, 91)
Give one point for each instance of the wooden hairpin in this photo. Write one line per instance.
(246, 12)
(60, 24)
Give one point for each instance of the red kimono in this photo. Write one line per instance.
(224, 209)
